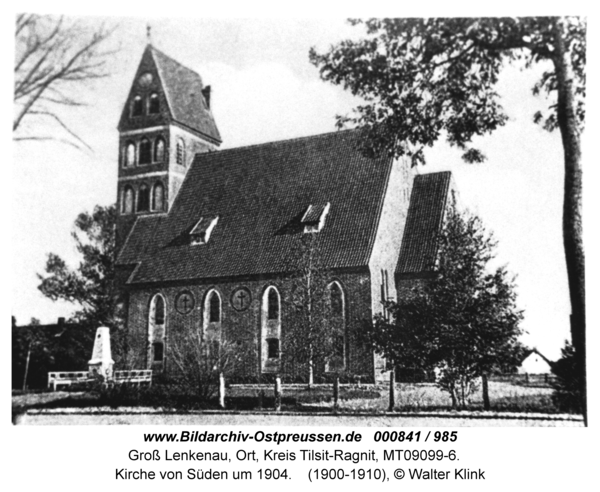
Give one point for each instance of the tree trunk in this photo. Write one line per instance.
(336, 392)
(221, 390)
(392, 391)
(27, 368)
(572, 222)
(485, 391)
(261, 399)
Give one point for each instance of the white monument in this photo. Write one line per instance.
(101, 363)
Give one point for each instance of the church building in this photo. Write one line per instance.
(204, 236)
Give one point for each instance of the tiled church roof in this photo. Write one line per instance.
(260, 194)
(425, 216)
(183, 88)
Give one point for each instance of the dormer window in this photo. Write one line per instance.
(313, 219)
(200, 234)
(137, 107)
(153, 104)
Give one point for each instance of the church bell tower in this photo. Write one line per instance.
(165, 122)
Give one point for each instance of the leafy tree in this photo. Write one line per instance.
(92, 286)
(463, 323)
(38, 349)
(425, 78)
(55, 57)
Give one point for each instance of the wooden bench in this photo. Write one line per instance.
(67, 378)
(140, 376)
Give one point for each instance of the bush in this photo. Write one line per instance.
(200, 361)
(567, 386)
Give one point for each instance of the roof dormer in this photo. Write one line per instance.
(313, 219)
(201, 232)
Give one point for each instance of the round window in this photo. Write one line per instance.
(145, 79)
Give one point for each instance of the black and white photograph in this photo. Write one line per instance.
(299, 222)
(326, 208)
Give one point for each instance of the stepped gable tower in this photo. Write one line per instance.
(166, 120)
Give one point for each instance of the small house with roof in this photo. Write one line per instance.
(535, 362)
(204, 235)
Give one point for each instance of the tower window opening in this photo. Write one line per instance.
(158, 197)
(137, 107)
(144, 199)
(130, 154)
(145, 151)
(128, 200)
(159, 150)
(180, 158)
(154, 104)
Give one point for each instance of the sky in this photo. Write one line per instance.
(265, 89)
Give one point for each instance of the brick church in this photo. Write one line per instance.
(204, 235)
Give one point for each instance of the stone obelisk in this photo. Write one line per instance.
(101, 363)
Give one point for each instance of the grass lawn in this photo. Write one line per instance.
(504, 396)
(410, 397)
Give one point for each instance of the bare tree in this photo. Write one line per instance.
(54, 58)
(310, 343)
(199, 358)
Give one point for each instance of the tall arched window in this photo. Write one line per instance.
(337, 329)
(273, 300)
(157, 318)
(137, 106)
(145, 151)
(129, 154)
(153, 104)
(271, 330)
(128, 200)
(212, 326)
(159, 314)
(159, 150)
(143, 199)
(337, 301)
(158, 197)
(180, 157)
(214, 308)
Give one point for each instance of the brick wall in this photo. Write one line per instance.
(405, 287)
(245, 326)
